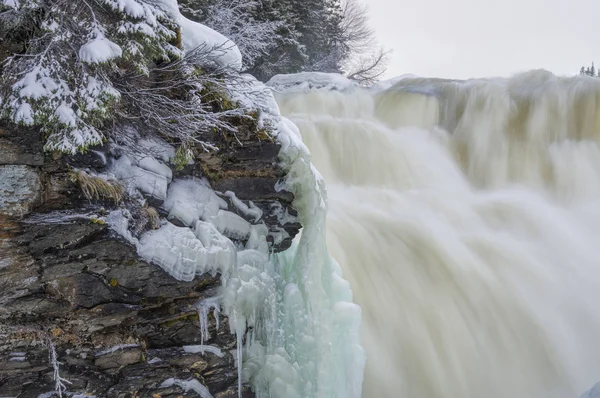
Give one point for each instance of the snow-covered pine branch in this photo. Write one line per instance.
(91, 60)
(63, 82)
(187, 103)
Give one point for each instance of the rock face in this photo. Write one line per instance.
(20, 189)
(69, 284)
(247, 165)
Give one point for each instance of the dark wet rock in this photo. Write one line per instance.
(91, 293)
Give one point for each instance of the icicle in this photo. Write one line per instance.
(203, 307)
(240, 337)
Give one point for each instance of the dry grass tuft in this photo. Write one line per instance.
(96, 188)
(153, 217)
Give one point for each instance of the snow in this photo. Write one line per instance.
(24, 114)
(116, 348)
(188, 385)
(130, 7)
(11, 3)
(310, 81)
(222, 51)
(149, 163)
(195, 349)
(66, 115)
(157, 148)
(99, 50)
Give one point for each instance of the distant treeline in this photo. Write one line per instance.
(589, 71)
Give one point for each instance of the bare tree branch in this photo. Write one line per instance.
(367, 70)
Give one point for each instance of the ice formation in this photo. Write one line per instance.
(204, 307)
(194, 349)
(293, 309)
(116, 348)
(303, 339)
(188, 385)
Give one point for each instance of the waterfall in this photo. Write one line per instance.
(466, 217)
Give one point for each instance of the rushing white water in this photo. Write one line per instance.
(466, 216)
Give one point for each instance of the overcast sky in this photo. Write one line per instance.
(476, 38)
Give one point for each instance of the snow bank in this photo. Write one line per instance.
(310, 81)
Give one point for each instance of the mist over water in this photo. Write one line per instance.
(466, 216)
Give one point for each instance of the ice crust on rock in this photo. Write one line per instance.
(190, 200)
(181, 252)
(249, 210)
(135, 177)
(187, 385)
(195, 349)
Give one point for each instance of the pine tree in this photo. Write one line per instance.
(589, 71)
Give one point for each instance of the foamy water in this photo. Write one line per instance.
(466, 216)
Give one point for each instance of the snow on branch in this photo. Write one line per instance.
(234, 19)
(188, 103)
(90, 60)
(63, 82)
